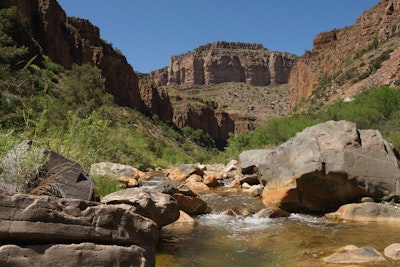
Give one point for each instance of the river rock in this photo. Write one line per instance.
(324, 167)
(213, 179)
(182, 172)
(160, 208)
(393, 252)
(46, 219)
(197, 186)
(27, 168)
(84, 254)
(351, 254)
(254, 190)
(188, 201)
(368, 212)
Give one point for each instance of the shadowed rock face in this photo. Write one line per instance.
(221, 62)
(325, 166)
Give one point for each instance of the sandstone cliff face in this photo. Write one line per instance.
(221, 62)
(333, 51)
(218, 124)
(70, 40)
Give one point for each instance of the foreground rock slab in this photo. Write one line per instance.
(84, 254)
(44, 219)
(324, 167)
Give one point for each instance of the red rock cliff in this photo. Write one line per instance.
(70, 40)
(332, 51)
(221, 62)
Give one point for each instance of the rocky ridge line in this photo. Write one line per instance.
(221, 62)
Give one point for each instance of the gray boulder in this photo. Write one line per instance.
(326, 166)
(27, 168)
(160, 208)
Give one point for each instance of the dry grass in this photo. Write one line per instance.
(258, 102)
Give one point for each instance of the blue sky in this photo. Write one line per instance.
(148, 32)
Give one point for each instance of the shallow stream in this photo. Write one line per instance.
(218, 239)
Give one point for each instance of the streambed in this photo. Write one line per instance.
(218, 239)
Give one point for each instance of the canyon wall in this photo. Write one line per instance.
(222, 62)
(333, 51)
(71, 40)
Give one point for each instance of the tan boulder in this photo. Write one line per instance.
(184, 218)
(368, 212)
(197, 186)
(212, 179)
(194, 178)
(182, 172)
(254, 190)
(393, 252)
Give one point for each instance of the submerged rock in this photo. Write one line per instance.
(324, 167)
(351, 254)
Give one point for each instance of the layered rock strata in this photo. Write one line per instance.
(222, 62)
(333, 51)
(35, 229)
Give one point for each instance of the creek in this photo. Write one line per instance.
(219, 239)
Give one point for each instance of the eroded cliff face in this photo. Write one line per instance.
(70, 40)
(222, 62)
(340, 51)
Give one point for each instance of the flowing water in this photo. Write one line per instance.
(218, 239)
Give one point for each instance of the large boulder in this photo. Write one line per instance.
(160, 208)
(27, 168)
(45, 219)
(51, 231)
(326, 166)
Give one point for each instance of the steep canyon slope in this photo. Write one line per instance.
(67, 41)
(347, 61)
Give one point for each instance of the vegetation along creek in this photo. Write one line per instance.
(232, 155)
